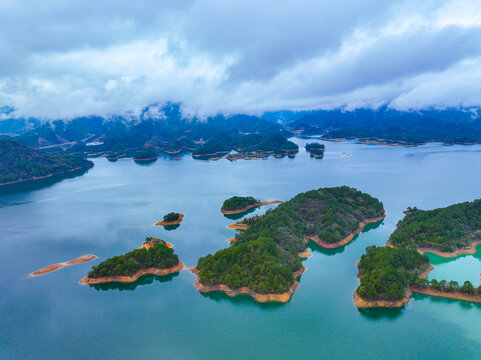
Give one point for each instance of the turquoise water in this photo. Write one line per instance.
(111, 209)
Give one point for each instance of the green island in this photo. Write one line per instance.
(155, 257)
(315, 149)
(448, 231)
(145, 154)
(20, 163)
(171, 219)
(388, 275)
(263, 260)
(172, 216)
(238, 203)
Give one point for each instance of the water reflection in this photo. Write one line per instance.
(143, 280)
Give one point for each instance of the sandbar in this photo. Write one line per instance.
(50, 268)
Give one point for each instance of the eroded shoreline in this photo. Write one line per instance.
(50, 268)
(347, 239)
(262, 298)
(126, 279)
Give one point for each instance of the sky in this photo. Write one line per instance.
(62, 59)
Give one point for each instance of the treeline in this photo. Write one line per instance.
(238, 202)
(159, 256)
(386, 273)
(449, 286)
(172, 216)
(272, 241)
(18, 161)
(445, 229)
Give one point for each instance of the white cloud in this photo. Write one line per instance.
(62, 59)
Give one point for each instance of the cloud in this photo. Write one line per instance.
(62, 59)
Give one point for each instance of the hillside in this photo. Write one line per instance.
(19, 163)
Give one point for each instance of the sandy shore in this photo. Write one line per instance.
(257, 204)
(465, 251)
(304, 254)
(50, 268)
(448, 295)
(283, 297)
(168, 223)
(134, 277)
(237, 226)
(224, 152)
(347, 239)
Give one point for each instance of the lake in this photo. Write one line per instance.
(112, 208)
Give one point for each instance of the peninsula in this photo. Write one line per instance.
(240, 204)
(157, 258)
(20, 164)
(263, 261)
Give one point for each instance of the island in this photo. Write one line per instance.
(50, 268)
(145, 155)
(157, 259)
(316, 150)
(240, 204)
(388, 275)
(170, 219)
(264, 262)
(20, 164)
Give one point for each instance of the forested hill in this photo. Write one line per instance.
(445, 229)
(18, 162)
(264, 256)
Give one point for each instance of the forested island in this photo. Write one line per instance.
(154, 257)
(171, 218)
(263, 261)
(19, 163)
(145, 154)
(448, 231)
(316, 149)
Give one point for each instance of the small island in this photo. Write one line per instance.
(263, 261)
(20, 164)
(157, 259)
(145, 155)
(170, 219)
(316, 150)
(240, 204)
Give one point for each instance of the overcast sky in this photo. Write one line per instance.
(60, 59)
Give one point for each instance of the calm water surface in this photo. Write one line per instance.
(111, 209)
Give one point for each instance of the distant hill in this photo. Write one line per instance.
(19, 163)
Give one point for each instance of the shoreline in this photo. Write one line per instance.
(134, 277)
(168, 223)
(455, 295)
(35, 178)
(237, 226)
(257, 204)
(362, 303)
(146, 159)
(50, 268)
(471, 250)
(261, 298)
(347, 239)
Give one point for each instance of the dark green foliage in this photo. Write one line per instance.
(145, 154)
(19, 162)
(159, 256)
(444, 229)
(220, 144)
(386, 272)
(315, 148)
(173, 216)
(272, 241)
(278, 144)
(260, 265)
(238, 202)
